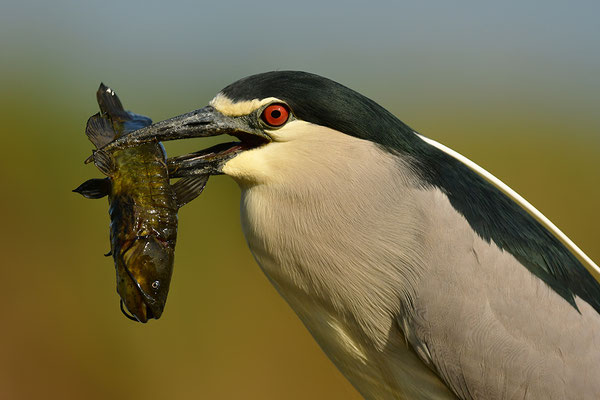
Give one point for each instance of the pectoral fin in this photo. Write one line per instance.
(99, 130)
(94, 188)
(104, 162)
(187, 189)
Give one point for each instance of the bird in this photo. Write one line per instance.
(419, 274)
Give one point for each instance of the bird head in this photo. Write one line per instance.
(284, 121)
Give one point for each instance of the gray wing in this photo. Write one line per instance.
(499, 215)
(493, 329)
(506, 310)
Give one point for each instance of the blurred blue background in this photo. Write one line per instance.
(513, 85)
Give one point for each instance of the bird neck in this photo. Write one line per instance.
(340, 230)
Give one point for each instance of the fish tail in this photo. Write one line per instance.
(110, 104)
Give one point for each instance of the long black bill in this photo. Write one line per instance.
(200, 123)
(204, 122)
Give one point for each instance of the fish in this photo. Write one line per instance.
(143, 206)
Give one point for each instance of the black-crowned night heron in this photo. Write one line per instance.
(419, 274)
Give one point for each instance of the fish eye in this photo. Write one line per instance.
(275, 115)
(155, 285)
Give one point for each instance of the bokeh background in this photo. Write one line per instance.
(514, 85)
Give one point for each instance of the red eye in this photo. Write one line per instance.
(275, 114)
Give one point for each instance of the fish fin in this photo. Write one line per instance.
(104, 162)
(99, 130)
(94, 188)
(135, 121)
(110, 104)
(187, 189)
(122, 120)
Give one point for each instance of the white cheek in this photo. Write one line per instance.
(299, 152)
(251, 166)
(267, 163)
(291, 131)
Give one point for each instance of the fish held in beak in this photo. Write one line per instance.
(143, 205)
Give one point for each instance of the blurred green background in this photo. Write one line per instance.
(515, 86)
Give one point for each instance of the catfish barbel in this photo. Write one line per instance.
(143, 206)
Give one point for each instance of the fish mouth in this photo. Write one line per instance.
(143, 315)
(136, 304)
(204, 122)
(144, 272)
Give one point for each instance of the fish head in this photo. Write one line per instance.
(144, 272)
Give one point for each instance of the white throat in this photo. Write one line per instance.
(336, 224)
(311, 183)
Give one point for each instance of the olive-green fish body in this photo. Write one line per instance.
(143, 230)
(141, 184)
(143, 207)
